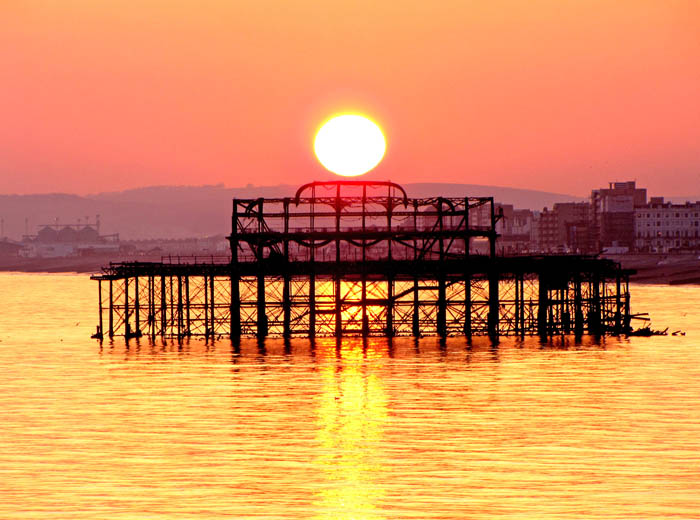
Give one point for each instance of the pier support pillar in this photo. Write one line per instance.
(212, 306)
(365, 318)
(137, 307)
(494, 306)
(518, 304)
(151, 306)
(565, 312)
(206, 306)
(390, 307)
(578, 309)
(287, 306)
(415, 325)
(618, 305)
(338, 307)
(127, 310)
(235, 305)
(100, 330)
(180, 308)
(543, 307)
(312, 305)
(627, 318)
(595, 306)
(111, 309)
(468, 306)
(188, 329)
(442, 308)
(172, 305)
(262, 317)
(235, 317)
(163, 308)
(522, 304)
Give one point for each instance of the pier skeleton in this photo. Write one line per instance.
(362, 258)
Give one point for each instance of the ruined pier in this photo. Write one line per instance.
(362, 258)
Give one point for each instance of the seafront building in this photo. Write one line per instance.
(618, 219)
(517, 230)
(613, 215)
(565, 228)
(663, 227)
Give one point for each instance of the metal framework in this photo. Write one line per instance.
(362, 258)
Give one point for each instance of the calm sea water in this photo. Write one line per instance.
(363, 431)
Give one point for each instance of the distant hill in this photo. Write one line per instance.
(521, 199)
(195, 211)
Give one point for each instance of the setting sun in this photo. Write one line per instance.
(349, 145)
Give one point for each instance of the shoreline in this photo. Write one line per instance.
(86, 265)
(657, 268)
(650, 268)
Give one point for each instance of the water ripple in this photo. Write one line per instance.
(369, 430)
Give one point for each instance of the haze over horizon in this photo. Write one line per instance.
(557, 96)
(283, 187)
(197, 211)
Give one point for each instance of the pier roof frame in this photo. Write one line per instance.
(349, 216)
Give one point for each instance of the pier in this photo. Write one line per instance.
(362, 258)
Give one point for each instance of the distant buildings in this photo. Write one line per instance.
(62, 240)
(617, 219)
(84, 239)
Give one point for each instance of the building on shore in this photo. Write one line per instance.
(613, 215)
(516, 229)
(64, 240)
(10, 249)
(566, 228)
(663, 227)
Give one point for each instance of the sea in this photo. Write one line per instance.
(373, 429)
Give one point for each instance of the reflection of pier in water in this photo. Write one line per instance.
(362, 258)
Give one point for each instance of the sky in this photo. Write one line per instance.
(554, 95)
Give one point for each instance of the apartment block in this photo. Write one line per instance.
(613, 214)
(566, 228)
(663, 227)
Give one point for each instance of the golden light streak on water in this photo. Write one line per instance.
(378, 429)
(352, 413)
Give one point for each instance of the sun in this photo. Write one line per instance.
(349, 144)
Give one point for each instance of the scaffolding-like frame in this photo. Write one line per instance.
(362, 258)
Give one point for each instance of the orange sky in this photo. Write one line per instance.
(557, 95)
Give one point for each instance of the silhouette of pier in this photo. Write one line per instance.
(362, 258)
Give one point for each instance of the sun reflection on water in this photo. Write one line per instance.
(352, 413)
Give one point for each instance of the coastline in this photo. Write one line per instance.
(77, 264)
(655, 268)
(650, 268)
